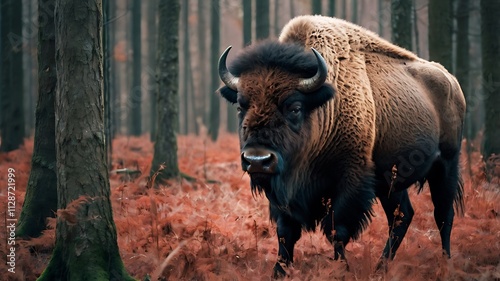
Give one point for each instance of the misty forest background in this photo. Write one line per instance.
(80, 79)
(448, 32)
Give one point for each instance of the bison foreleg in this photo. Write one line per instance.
(338, 241)
(289, 231)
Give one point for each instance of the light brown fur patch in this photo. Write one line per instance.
(386, 96)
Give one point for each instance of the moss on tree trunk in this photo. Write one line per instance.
(86, 240)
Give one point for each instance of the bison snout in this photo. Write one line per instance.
(255, 160)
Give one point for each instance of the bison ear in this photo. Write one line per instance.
(229, 94)
(320, 96)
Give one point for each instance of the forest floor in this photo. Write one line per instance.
(214, 229)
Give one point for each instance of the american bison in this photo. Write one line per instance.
(324, 132)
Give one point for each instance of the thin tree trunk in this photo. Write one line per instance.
(192, 99)
(213, 129)
(415, 28)
(462, 73)
(29, 74)
(262, 19)
(316, 7)
(86, 246)
(277, 27)
(108, 113)
(135, 101)
(331, 8)
(462, 58)
(440, 32)
(247, 22)
(185, 60)
(344, 9)
(115, 73)
(11, 91)
(354, 11)
(381, 10)
(152, 44)
(401, 11)
(165, 148)
(203, 99)
(490, 46)
(40, 201)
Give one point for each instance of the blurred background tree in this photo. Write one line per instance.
(446, 31)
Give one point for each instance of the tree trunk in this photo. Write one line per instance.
(29, 73)
(40, 201)
(440, 32)
(490, 46)
(203, 99)
(344, 9)
(262, 19)
(354, 11)
(108, 109)
(462, 58)
(401, 14)
(381, 10)
(316, 7)
(331, 8)
(247, 22)
(277, 27)
(165, 148)
(115, 73)
(86, 246)
(11, 85)
(152, 44)
(213, 129)
(415, 28)
(136, 92)
(186, 62)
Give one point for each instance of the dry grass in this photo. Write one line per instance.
(213, 229)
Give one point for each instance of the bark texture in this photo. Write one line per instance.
(41, 194)
(86, 246)
(165, 148)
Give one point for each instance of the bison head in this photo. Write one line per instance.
(277, 87)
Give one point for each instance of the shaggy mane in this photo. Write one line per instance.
(273, 54)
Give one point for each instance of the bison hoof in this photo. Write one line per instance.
(382, 265)
(345, 264)
(278, 271)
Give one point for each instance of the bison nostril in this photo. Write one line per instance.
(258, 161)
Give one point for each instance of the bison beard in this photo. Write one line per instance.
(321, 146)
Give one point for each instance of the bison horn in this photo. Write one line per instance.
(307, 85)
(229, 79)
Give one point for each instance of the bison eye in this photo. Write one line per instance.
(294, 114)
(296, 109)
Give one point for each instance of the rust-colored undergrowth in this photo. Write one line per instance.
(213, 229)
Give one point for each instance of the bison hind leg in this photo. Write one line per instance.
(399, 213)
(446, 188)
